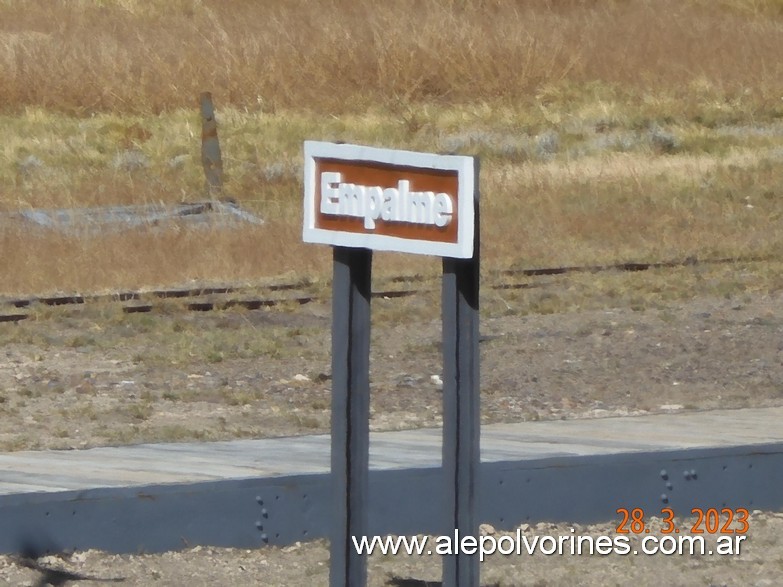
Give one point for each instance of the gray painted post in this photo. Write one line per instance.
(350, 413)
(210, 148)
(461, 406)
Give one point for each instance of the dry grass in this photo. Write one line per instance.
(608, 131)
(86, 56)
(630, 212)
(147, 257)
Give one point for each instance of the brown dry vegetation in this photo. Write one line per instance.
(609, 130)
(87, 56)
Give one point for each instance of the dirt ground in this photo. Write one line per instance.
(91, 375)
(759, 564)
(87, 376)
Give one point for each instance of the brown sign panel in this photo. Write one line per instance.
(389, 200)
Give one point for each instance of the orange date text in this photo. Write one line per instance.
(710, 521)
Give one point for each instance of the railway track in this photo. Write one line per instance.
(204, 299)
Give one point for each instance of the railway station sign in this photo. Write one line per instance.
(389, 200)
(360, 199)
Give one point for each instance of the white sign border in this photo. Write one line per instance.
(463, 165)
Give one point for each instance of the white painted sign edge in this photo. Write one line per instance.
(463, 165)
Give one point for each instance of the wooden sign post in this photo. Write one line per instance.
(360, 199)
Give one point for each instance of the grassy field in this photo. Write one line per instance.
(608, 130)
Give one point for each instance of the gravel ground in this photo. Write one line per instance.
(95, 377)
(89, 377)
(759, 563)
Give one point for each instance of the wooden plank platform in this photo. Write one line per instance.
(187, 463)
(251, 493)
